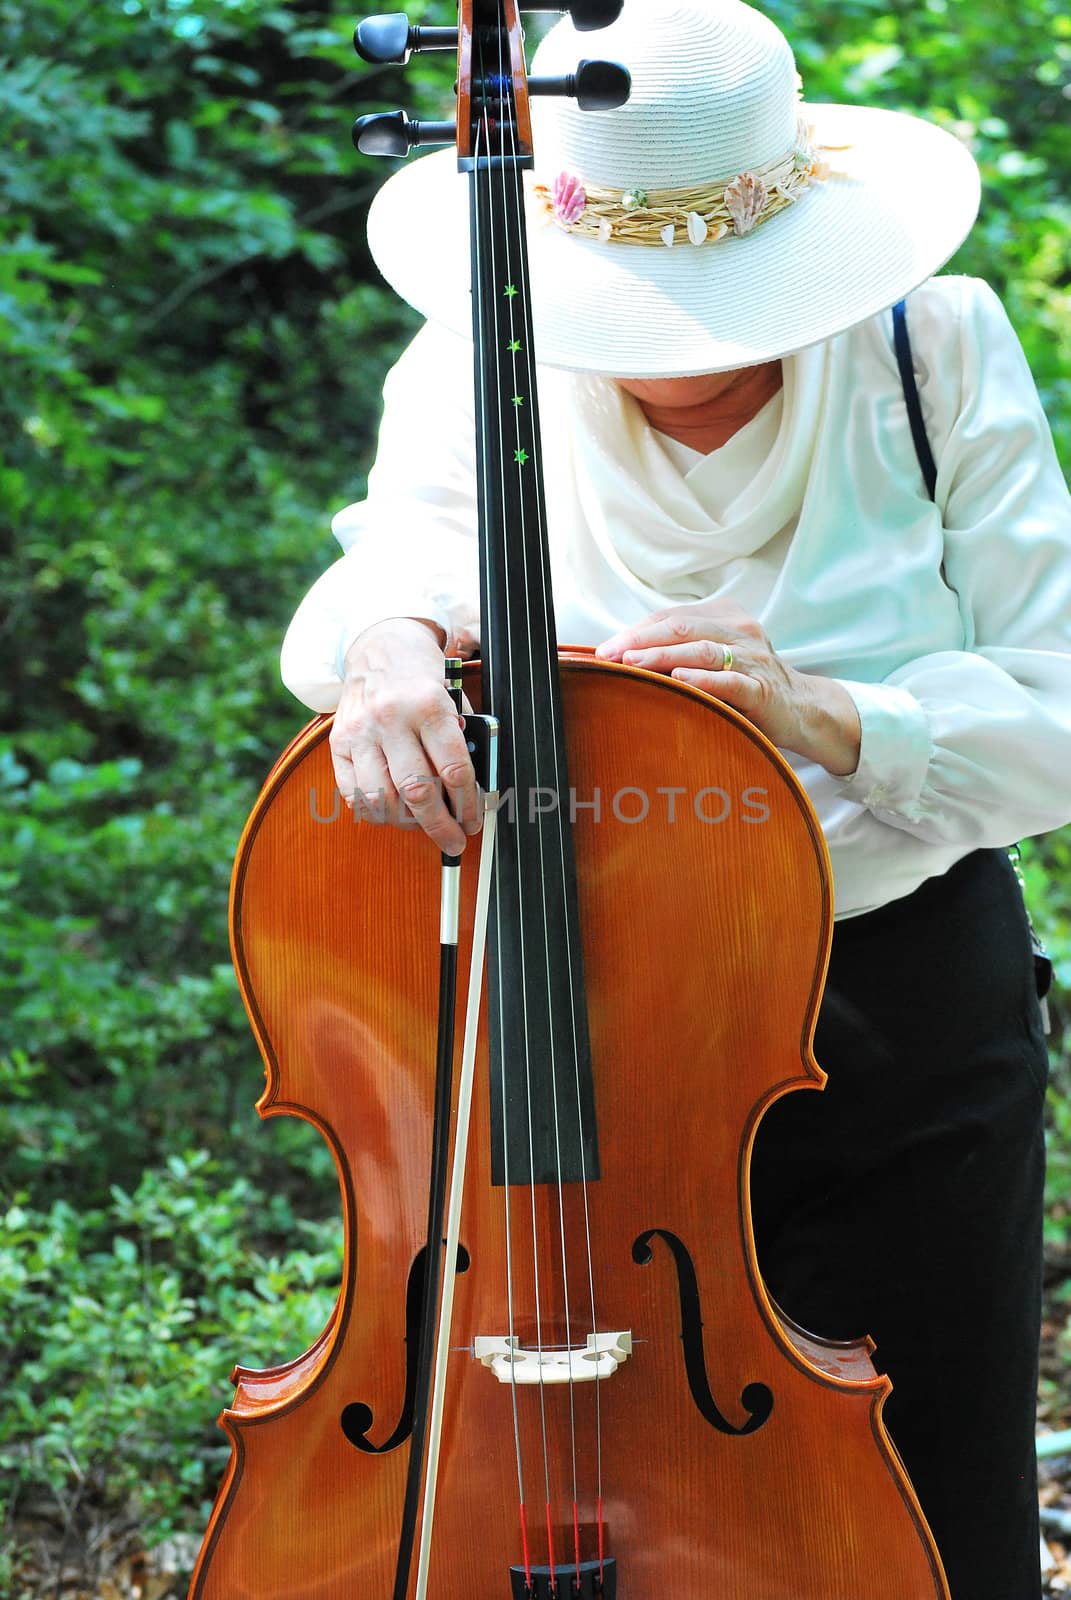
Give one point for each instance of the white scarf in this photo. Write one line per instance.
(669, 535)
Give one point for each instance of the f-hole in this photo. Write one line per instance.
(356, 1419)
(756, 1399)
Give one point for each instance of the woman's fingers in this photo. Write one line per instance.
(735, 688)
(443, 741)
(656, 631)
(682, 625)
(344, 745)
(707, 655)
(397, 746)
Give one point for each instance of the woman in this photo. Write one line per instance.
(734, 497)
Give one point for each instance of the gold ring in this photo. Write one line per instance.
(727, 658)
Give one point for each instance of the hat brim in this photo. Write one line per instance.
(903, 198)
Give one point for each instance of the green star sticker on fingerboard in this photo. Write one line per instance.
(518, 400)
(514, 346)
(510, 291)
(521, 457)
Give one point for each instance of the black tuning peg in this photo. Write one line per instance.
(587, 15)
(389, 40)
(595, 85)
(390, 133)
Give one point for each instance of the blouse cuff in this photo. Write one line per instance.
(894, 752)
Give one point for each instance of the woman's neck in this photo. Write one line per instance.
(704, 412)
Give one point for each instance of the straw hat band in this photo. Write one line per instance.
(715, 92)
(699, 213)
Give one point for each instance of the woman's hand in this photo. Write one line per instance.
(397, 746)
(720, 648)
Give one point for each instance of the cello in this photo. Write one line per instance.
(586, 1389)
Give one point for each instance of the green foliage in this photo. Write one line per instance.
(185, 320)
(120, 1320)
(999, 76)
(193, 340)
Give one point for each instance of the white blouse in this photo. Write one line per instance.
(949, 624)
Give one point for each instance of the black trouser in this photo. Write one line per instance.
(905, 1201)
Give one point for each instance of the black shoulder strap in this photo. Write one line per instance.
(911, 398)
(1042, 960)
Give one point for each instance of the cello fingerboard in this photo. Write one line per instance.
(542, 1093)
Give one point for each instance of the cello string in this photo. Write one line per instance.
(483, 139)
(517, 199)
(544, 874)
(544, 547)
(574, 1007)
(517, 831)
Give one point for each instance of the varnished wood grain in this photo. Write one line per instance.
(705, 946)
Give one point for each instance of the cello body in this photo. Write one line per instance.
(731, 1454)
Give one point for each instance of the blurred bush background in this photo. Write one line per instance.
(193, 344)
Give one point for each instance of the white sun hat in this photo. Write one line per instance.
(749, 249)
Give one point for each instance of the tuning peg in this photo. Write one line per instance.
(390, 40)
(595, 85)
(587, 15)
(390, 133)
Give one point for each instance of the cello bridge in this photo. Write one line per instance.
(510, 1362)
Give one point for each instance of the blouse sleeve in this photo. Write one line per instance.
(974, 745)
(410, 546)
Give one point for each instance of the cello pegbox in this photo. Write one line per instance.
(390, 40)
